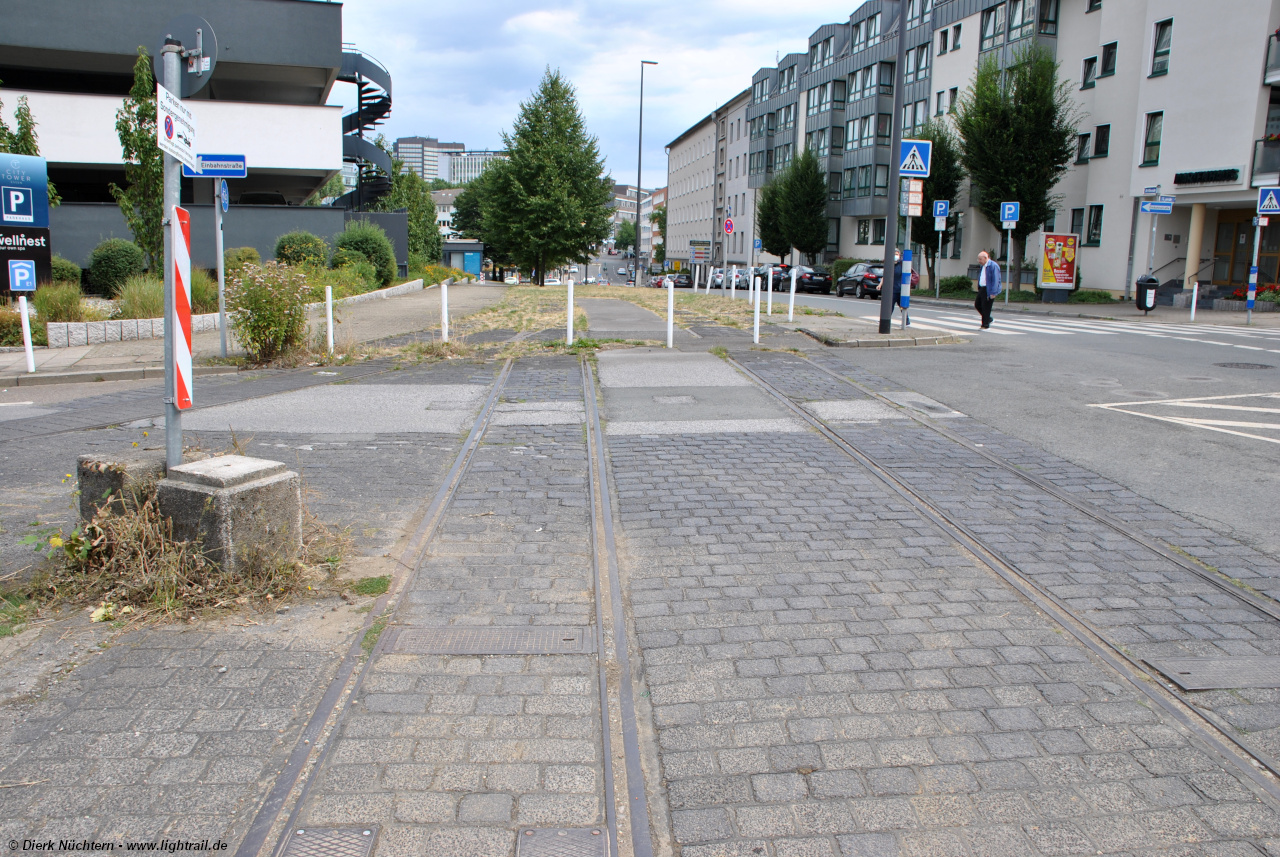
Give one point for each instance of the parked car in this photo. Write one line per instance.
(683, 281)
(512, 281)
(862, 280)
(812, 280)
(622, 272)
(591, 281)
(552, 281)
(573, 269)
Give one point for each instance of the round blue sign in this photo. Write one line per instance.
(224, 195)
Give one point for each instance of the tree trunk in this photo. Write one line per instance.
(931, 262)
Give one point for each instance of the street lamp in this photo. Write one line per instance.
(639, 155)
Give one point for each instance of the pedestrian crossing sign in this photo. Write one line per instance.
(1269, 200)
(914, 158)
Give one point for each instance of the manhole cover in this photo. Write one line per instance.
(493, 641)
(562, 842)
(1245, 365)
(1220, 673)
(331, 842)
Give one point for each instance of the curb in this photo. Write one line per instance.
(143, 373)
(901, 342)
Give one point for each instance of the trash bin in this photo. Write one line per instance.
(1145, 292)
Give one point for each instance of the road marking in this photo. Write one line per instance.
(7, 404)
(1224, 426)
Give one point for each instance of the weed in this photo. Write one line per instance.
(372, 585)
(720, 351)
(371, 636)
(15, 613)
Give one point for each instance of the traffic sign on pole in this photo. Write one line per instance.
(217, 167)
(1009, 213)
(175, 128)
(224, 196)
(180, 223)
(728, 226)
(1156, 207)
(941, 208)
(914, 157)
(1269, 200)
(758, 244)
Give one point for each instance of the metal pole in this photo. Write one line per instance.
(671, 312)
(172, 198)
(26, 334)
(906, 271)
(733, 284)
(328, 319)
(895, 151)
(755, 336)
(1151, 257)
(444, 310)
(1008, 266)
(222, 274)
(1252, 293)
(568, 338)
(1195, 297)
(770, 304)
(639, 156)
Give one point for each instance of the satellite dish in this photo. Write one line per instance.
(194, 71)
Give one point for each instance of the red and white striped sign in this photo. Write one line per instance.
(181, 225)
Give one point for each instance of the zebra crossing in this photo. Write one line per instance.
(1247, 339)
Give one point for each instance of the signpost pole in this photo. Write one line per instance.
(568, 338)
(1151, 251)
(172, 198)
(1008, 266)
(755, 336)
(1252, 294)
(906, 274)
(328, 319)
(26, 334)
(217, 236)
(791, 302)
(671, 312)
(895, 167)
(770, 304)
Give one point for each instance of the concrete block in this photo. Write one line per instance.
(157, 328)
(77, 334)
(57, 333)
(96, 332)
(111, 481)
(113, 331)
(128, 330)
(239, 507)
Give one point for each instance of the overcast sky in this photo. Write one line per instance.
(460, 68)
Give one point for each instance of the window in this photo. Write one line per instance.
(1151, 148)
(955, 37)
(1051, 222)
(787, 79)
(1077, 222)
(851, 134)
(760, 91)
(1163, 41)
(782, 156)
(873, 30)
(884, 125)
(1082, 149)
(859, 36)
(1048, 17)
(922, 61)
(1089, 73)
(1019, 19)
(833, 185)
(837, 94)
(886, 75)
(817, 141)
(942, 41)
(1094, 236)
(864, 231)
(787, 118)
(868, 124)
(1094, 6)
(992, 27)
(954, 97)
(1101, 141)
(822, 54)
(850, 182)
(882, 179)
(909, 74)
(877, 231)
(864, 181)
(1108, 60)
(942, 103)
(837, 139)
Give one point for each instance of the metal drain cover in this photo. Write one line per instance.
(494, 641)
(562, 842)
(1245, 365)
(1220, 673)
(331, 842)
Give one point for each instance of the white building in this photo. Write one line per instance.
(464, 167)
(691, 179)
(444, 200)
(423, 155)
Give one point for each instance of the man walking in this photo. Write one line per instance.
(988, 287)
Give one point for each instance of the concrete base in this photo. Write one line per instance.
(107, 482)
(239, 507)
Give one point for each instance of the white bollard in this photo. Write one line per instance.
(770, 304)
(444, 311)
(755, 337)
(1195, 296)
(568, 337)
(26, 334)
(328, 317)
(696, 272)
(733, 284)
(671, 312)
(791, 302)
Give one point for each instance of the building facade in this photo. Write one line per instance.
(422, 155)
(691, 180)
(467, 166)
(651, 233)
(444, 202)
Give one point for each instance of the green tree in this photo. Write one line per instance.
(803, 206)
(625, 238)
(331, 189)
(410, 192)
(1017, 130)
(548, 203)
(142, 202)
(22, 140)
(945, 176)
(773, 238)
(658, 218)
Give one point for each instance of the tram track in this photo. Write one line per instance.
(1256, 765)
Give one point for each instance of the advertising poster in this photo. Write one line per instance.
(1058, 261)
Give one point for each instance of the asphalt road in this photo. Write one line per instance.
(1041, 379)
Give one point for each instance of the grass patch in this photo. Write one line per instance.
(371, 636)
(15, 613)
(372, 585)
(142, 296)
(720, 351)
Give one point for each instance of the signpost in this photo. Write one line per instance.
(224, 202)
(1268, 203)
(915, 157)
(941, 211)
(25, 254)
(1009, 214)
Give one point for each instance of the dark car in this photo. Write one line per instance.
(862, 280)
(812, 280)
(683, 281)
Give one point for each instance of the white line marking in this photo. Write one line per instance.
(3, 404)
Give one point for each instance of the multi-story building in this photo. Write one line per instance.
(467, 166)
(624, 206)
(444, 200)
(691, 181)
(735, 201)
(650, 233)
(422, 155)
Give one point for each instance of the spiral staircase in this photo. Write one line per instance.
(373, 105)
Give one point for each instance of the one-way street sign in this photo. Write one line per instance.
(1152, 207)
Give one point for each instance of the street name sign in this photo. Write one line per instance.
(217, 167)
(1150, 207)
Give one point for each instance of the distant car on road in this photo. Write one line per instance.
(573, 269)
(512, 281)
(591, 281)
(622, 271)
(552, 281)
(683, 281)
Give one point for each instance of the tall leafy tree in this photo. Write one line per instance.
(473, 217)
(945, 176)
(22, 139)
(773, 238)
(549, 200)
(142, 201)
(625, 237)
(658, 217)
(412, 194)
(1017, 130)
(803, 206)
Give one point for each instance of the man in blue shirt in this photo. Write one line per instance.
(988, 287)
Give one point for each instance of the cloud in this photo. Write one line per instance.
(460, 70)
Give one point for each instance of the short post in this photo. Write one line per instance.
(1195, 298)
(671, 312)
(697, 270)
(26, 334)
(222, 274)
(755, 336)
(444, 310)
(568, 337)
(791, 302)
(733, 284)
(328, 317)
(770, 304)
(905, 300)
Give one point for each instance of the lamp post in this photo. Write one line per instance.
(639, 157)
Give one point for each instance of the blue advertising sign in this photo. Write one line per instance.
(218, 167)
(24, 191)
(941, 208)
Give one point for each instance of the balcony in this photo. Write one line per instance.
(1266, 163)
(1272, 73)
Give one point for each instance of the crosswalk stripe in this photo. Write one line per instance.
(1022, 326)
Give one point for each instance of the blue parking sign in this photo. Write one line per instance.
(941, 208)
(1009, 212)
(24, 191)
(22, 275)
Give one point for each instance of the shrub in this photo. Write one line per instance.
(839, 266)
(65, 271)
(204, 291)
(114, 261)
(343, 257)
(958, 283)
(268, 309)
(237, 257)
(11, 329)
(440, 273)
(59, 302)
(1091, 296)
(354, 278)
(369, 240)
(301, 248)
(141, 296)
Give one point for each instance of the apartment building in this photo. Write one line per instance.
(691, 180)
(650, 233)
(466, 166)
(735, 200)
(423, 155)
